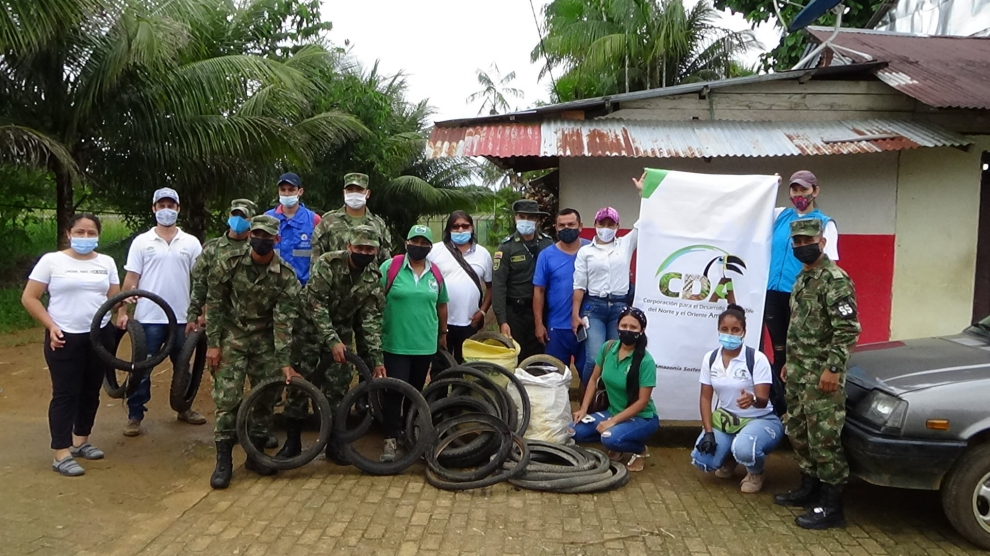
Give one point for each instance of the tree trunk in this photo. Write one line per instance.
(196, 212)
(64, 207)
(627, 71)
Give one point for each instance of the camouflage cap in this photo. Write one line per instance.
(360, 180)
(420, 230)
(265, 223)
(810, 227)
(245, 206)
(363, 235)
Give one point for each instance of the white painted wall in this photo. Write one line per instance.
(858, 191)
(938, 199)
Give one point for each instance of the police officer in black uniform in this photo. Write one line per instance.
(512, 281)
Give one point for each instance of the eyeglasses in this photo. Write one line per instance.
(460, 227)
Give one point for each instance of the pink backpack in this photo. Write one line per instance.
(396, 266)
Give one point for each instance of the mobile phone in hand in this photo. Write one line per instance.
(582, 333)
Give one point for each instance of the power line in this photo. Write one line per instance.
(543, 47)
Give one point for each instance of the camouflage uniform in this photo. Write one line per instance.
(824, 327)
(335, 296)
(216, 250)
(252, 309)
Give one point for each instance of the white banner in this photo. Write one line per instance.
(704, 242)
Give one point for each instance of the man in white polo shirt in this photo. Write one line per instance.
(159, 261)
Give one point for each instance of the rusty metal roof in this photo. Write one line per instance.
(940, 71)
(685, 139)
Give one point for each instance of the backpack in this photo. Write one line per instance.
(396, 266)
(776, 387)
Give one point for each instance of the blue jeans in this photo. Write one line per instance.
(627, 436)
(750, 446)
(603, 318)
(154, 335)
(563, 345)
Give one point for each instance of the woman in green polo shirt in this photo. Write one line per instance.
(415, 323)
(631, 417)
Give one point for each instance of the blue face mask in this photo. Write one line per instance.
(288, 200)
(730, 342)
(83, 245)
(238, 224)
(460, 238)
(526, 227)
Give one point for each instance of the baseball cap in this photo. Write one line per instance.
(245, 207)
(607, 212)
(805, 178)
(165, 193)
(421, 231)
(527, 206)
(265, 223)
(290, 178)
(365, 235)
(810, 227)
(354, 178)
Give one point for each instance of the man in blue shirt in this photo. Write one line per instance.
(295, 226)
(553, 288)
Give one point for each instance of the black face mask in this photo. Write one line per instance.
(262, 246)
(629, 338)
(569, 235)
(417, 252)
(361, 260)
(808, 254)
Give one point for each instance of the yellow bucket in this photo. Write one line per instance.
(492, 351)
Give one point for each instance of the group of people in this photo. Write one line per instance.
(283, 291)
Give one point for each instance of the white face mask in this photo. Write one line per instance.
(355, 200)
(288, 200)
(166, 217)
(606, 235)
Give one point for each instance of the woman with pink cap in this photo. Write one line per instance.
(601, 284)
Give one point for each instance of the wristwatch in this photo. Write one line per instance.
(833, 369)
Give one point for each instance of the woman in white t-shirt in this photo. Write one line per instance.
(742, 422)
(78, 280)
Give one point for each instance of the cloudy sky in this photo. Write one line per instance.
(440, 44)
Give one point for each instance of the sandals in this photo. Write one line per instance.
(616, 456)
(636, 462)
(87, 451)
(67, 467)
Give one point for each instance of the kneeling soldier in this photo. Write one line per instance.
(251, 306)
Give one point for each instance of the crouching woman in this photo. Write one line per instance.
(629, 375)
(742, 426)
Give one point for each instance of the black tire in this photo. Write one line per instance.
(133, 366)
(424, 422)
(500, 338)
(485, 381)
(507, 474)
(188, 372)
(601, 466)
(620, 477)
(523, 425)
(573, 460)
(543, 360)
(965, 496)
(475, 450)
(372, 411)
(320, 406)
(446, 434)
(139, 351)
(442, 360)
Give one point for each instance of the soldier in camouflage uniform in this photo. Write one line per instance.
(251, 304)
(344, 287)
(824, 327)
(332, 232)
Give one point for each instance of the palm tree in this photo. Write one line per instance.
(494, 90)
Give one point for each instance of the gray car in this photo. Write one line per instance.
(918, 416)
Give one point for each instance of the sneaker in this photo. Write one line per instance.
(388, 452)
(191, 417)
(87, 451)
(751, 484)
(67, 467)
(727, 470)
(133, 427)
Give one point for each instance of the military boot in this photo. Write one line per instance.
(827, 513)
(293, 440)
(225, 465)
(252, 465)
(335, 453)
(807, 493)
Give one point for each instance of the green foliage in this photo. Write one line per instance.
(504, 222)
(791, 47)
(494, 89)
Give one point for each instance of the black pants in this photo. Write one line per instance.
(455, 340)
(77, 374)
(777, 316)
(408, 368)
(523, 327)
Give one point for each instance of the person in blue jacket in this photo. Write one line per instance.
(295, 226)
(784, 267)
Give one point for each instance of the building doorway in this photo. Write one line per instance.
(981, 290)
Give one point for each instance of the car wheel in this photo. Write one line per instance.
(966, 495)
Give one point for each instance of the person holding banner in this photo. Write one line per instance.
(784, 267)
(601, 283)
(742, 427)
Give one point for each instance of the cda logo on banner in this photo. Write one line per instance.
(679, 276)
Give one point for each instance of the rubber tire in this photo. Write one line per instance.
(320, 405)
(620, 477)
(350, 435)
(576, 461)
(139, 351)
(487, 367)
(111, 359)
(503, 397)
(473, 405)
(185, 382)
(443, 440)
(442, 360)
(958, 494)
(426, 432)
(505, 475)
(543, 358)
(475, 450)
(500, 338)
